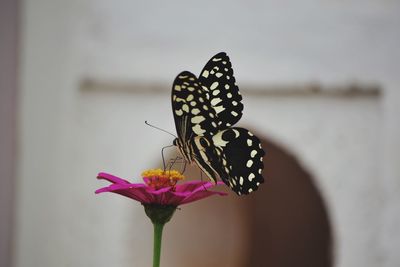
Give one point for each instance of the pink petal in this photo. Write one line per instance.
(207, 185)
(200, 195)
(173, 198)
(135, 191)
(190, 186)
(111, 178)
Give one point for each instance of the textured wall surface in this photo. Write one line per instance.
(348, 144)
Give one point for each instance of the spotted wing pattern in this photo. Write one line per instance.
(204, 109)
(242, 159)
(191, 107)
(225, 98)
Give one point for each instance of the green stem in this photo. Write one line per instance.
(159, 216)
(158, 229)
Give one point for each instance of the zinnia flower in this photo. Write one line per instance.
(160, 188)
(160, 194)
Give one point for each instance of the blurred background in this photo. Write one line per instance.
(320, 82)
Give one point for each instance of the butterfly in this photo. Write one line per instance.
(205, 108)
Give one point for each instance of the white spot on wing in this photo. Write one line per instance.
(249, 142)
(251, 176)
(179, 112)
(236, 133)
(185, 108)
(195, 111)
(218, 141)
(197, 119)
(215, 101)
(249, 163)
(205, 74)
(219, 109)
(253, 153)
(197, 129)
(214, 85)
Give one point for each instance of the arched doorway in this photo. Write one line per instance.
(289, 223)
(283, 224)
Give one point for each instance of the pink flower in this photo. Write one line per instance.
(160, 188)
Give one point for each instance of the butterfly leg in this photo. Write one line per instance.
(201, 178)
(184, 167)
(173, 161)
(162, 155)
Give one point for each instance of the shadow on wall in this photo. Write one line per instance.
(289, 222)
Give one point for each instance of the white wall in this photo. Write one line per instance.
(67, 135)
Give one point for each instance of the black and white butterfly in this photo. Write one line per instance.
(205, 109)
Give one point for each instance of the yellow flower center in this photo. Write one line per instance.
(158, 178)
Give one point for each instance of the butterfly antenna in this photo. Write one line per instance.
(155, 127)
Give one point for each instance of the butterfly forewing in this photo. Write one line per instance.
(191, 107)
(217, 77)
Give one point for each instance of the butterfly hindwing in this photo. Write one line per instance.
(242, 159)
(225, 98)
